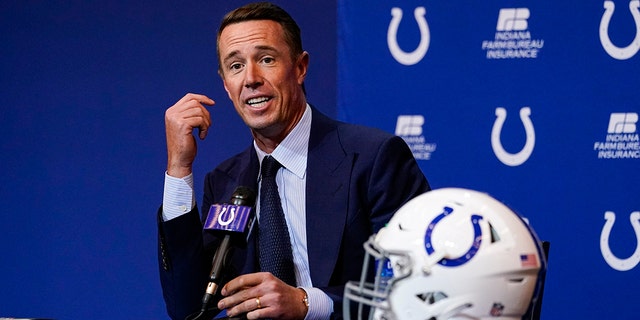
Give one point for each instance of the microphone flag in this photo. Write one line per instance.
(228, 217)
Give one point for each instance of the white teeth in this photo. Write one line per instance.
(259, 100)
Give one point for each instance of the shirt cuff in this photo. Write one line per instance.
(320, 305)
(178, 198)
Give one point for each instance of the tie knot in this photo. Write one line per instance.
(270, 166)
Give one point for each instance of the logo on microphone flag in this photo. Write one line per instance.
(227, 217)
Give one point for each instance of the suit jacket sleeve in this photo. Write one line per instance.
(183, 273)
(184, 262)
(185, 252)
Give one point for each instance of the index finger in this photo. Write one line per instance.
(198, 97)
(242, 282)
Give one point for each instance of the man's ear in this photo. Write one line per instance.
(302, 65)
(224, 83)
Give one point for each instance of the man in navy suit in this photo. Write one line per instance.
(339, 184)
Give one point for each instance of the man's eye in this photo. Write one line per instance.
(268, 60)
(235, 66)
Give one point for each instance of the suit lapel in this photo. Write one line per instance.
(326, 203)
(328, 170)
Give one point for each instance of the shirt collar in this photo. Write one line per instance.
(292, 151)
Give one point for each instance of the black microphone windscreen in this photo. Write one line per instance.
(243, 196)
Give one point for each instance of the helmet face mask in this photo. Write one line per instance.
(449, 254)
(376, 294)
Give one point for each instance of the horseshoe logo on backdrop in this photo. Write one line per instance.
(392, 37)
(477, 240)
(522, 156)
(614, 51)
(615, 262)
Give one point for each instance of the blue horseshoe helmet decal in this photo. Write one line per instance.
(475, 246)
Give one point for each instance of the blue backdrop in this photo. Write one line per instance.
(83, 90)
(84, 87)
(533, 102)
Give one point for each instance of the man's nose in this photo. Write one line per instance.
(252, 76)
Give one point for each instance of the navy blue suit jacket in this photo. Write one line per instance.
(357, 178)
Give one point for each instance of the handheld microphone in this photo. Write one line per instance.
(234, 219)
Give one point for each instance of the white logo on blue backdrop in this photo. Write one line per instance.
(400, 55)
(613, 50)
(409, 128)
(513, 159)
(622, 140)
(513, 19)
(613, 261)
(512, 39)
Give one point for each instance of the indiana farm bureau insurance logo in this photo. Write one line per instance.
(512, 39)
(409, 128)
(621, 141)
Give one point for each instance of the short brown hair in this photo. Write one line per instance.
(264, 11)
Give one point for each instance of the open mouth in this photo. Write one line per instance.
(258, 102)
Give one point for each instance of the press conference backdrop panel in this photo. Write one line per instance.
(534, 102)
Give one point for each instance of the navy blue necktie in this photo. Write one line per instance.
(275, 251)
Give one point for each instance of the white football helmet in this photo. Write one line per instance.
(449, 254)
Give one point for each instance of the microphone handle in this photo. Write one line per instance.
(216, 270)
